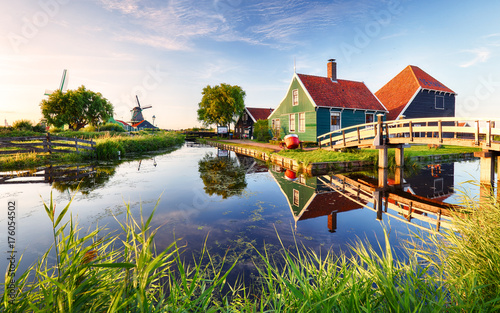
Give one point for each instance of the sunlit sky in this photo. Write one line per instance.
(166, 52)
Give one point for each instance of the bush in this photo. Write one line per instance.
(111, 127)
(39, 128)
(88, 128)
(22, 125)
(261, 131)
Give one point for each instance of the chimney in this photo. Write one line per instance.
(332, 70)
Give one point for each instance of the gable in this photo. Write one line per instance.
(400, 91)
(305, 102)
(258, 113)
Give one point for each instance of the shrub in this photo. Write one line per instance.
(88, 128)
(111, 127)
(261, 131)
(39, 128)
(22, 125)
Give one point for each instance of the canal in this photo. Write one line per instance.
(232, 202)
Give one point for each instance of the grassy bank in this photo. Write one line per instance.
(109, 145)
(454, 272)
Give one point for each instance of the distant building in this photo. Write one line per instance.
(133, 126)
(315, 105)
(415, 94)
(244, 125)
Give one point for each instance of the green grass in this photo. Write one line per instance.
(323, 155)
(456, 271)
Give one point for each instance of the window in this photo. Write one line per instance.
(295, 197)
(369, 117)
(276, 128)
(438, 185)
(439, 102)
(302, 179)
(334, 121)
(292, 122)
(295, 97)
(302, 122)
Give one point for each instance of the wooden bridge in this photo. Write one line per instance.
(465, 132)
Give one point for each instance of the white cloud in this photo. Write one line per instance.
(480, 55)
(180, 22)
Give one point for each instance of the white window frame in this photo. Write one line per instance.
(291, 124)
(295, 97)
(436, 102)
(339, 126)
(438, 185)
(296, 197)
(302, 122)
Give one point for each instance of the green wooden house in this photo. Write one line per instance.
(316, 105)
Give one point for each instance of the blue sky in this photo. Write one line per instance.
(166, 52)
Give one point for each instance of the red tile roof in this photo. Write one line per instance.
(340, 94)
(398, 92)
(324, 203)
(259, 113)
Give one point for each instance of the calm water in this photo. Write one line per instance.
(232, 201)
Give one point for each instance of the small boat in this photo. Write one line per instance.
(292, 141)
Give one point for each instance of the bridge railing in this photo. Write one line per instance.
(451, 130)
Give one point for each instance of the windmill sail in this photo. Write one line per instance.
(62, 86)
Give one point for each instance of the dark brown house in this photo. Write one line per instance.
(244, 125)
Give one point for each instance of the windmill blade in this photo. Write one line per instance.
(138, 103)
(64, 81)
(148, 107)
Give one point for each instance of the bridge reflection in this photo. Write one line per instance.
(417, 200)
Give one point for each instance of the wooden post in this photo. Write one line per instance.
(411, 131)
(332, 221)
(377, 195)
(49, 147)
(359, 138)
(382, 157)
(487, 173)
(440, 130)
(400, 156)
(343, 137)
(477, 133)
(488, 134)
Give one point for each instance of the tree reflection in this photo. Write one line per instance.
(222, 176)
(84, 182)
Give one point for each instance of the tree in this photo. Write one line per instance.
(222, 176)
(77, 108)
(221, 104)
(261, 131)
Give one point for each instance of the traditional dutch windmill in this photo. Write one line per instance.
(62, 86)
(137, 112)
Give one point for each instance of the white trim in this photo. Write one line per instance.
(290, 122)
(304, 129)
(435, 102)
(408, 104)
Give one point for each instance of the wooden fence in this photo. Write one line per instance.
(48, 144)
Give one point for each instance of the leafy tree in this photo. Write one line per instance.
(221, 104)
(221, 176)
(76, 108)
(261, 131)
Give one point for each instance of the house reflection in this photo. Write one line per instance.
(310, 197)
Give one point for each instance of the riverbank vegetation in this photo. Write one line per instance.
(110, 144)
(95, 272)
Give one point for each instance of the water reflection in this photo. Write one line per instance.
(414, 199)
(311, 197)
(222, 175)
(63, 178)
